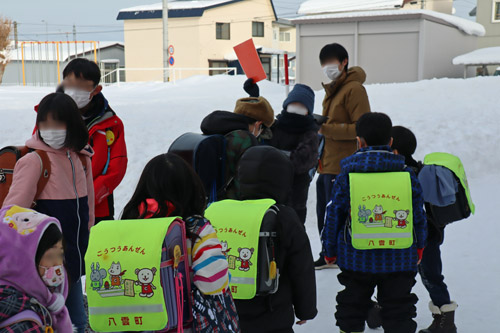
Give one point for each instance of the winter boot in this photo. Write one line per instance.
(444, 319)
(374, 319)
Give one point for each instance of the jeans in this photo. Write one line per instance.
(324, 186)
(76, 310)
(431, 268)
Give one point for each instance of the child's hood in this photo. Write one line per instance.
(36, 142)
(21, 230)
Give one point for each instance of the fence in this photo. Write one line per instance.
(174, 73)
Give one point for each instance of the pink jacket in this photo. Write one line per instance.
(60, 185)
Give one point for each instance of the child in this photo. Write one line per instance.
(69, 193)
(242, 129)
(266, 173)
(33, 281)
(389, 268)
(81, 78)
(441, 306)
(296, 132)
(169, 187)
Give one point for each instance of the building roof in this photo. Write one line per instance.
(176, 8)
(466, 26)
(486, 56)
(336, 6)
(49, 52)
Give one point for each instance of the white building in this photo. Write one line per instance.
(392, 45)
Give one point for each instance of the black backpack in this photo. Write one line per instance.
(207, 155)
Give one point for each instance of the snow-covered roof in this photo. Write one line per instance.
(486, 56)
(176, 9)
(466, 26)
(335, 6)
(176, 4)
(44, 52)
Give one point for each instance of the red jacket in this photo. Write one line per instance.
(104, 120)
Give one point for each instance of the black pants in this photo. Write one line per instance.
(300, 192)
(394, 296)
(431, 268)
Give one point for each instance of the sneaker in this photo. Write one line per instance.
(321, 264)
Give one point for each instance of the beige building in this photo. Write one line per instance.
(441, 6)
(203, 34)
(488, 14)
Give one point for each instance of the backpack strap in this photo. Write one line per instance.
(83, 160)
(23, 316)
(44, 171)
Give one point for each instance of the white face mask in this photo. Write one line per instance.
(81, 97)
(332, 72)
(297, 109)
(54, 138)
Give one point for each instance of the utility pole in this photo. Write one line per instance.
(166, 72)
(16, 39)
(15, 33)
(74, 39)
(46, 30)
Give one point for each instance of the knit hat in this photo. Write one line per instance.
(257, 108)
(301, 94)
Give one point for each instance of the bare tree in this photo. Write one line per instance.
(5, 29)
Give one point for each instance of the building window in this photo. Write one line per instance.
(223, 31)
(257, 29)
(496, 11)
(217, 64)
(284, 36)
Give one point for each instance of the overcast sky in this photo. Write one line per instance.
(96, 19)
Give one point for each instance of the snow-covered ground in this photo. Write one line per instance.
(452, 115)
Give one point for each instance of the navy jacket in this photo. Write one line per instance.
(336, 237)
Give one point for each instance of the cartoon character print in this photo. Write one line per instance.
(225, 248)
(245, 255)
(379, 212)
(401, 217)
(116, 275)
(363, 214)
(97, 276)
(145, 280)
(23, 220)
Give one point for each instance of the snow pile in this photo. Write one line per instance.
(332, 6)
(466, 26)
(450, 115)
(175, 4)
(486, 56)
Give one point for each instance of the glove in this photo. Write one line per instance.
(58, 304)
(331, 260)
(420, 254)
(251, 88)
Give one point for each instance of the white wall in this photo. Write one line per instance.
(389, 51)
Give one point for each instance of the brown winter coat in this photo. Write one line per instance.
(345, 102)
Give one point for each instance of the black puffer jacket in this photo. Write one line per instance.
(235, 128)
(265, 172)
(302, 142)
